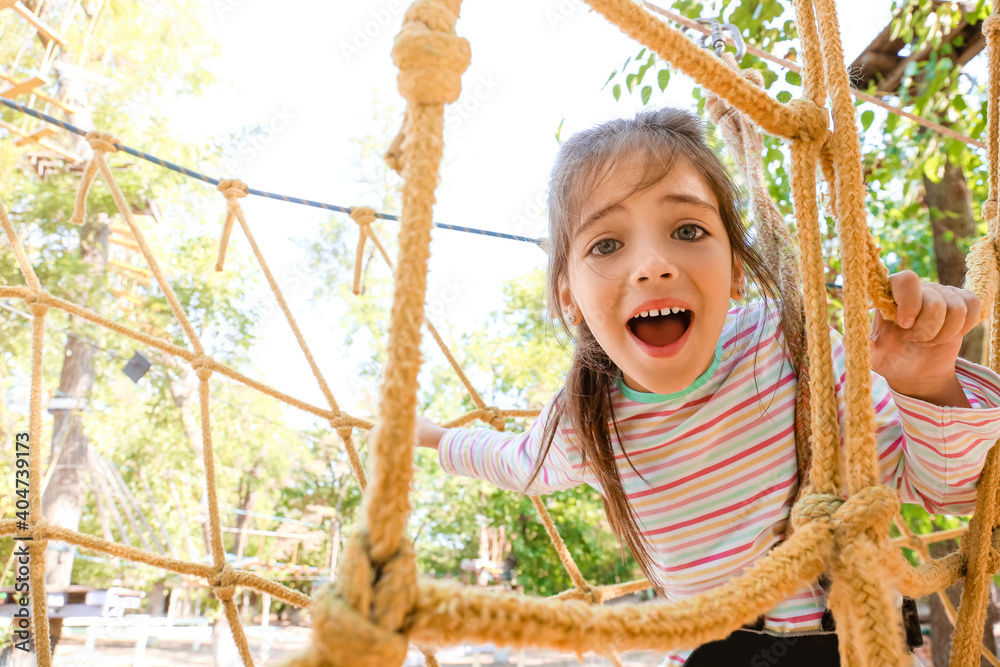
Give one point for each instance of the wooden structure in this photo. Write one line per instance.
(882, 63)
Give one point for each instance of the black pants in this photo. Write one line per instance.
(752, 648)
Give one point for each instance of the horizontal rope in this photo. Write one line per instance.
(69, 127)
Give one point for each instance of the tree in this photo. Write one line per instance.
(136, 426)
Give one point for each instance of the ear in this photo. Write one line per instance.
(565, 297)
(737, 282)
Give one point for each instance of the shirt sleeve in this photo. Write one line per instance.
(507, 460)
(932, 455)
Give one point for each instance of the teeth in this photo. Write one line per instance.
(662, 311)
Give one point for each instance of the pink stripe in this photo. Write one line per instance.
(718, 466)
(722, 510)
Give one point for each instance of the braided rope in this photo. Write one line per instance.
(377, 604)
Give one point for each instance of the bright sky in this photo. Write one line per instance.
(317, 73)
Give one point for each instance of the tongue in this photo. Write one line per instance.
(658, 331)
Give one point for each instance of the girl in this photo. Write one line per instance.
(679, 410)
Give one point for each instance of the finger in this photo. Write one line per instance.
(973, 307)
(933, 310)
(954, 319)
(907, 291)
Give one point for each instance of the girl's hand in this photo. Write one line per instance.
(428, 433)
(916, 354)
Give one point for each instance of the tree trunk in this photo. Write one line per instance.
(941, 627)
(950, 205)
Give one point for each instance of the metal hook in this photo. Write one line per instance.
(717, 40)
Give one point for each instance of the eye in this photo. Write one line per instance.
(604, 247)
(690, 232)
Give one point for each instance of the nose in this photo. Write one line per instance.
(652, 263)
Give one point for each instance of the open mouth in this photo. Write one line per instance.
(660, 328)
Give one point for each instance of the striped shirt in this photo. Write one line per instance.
(718, 464)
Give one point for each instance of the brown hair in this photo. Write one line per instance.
(658, 138)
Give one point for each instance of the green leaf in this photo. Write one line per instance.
(866, 119)
(559, 129)
(630, 81)
(931, 166)
(662, 79)
(784, 97)
(617, 91)
(613, 72)
(793, 78)
(647, 92)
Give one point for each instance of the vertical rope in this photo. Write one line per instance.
(857, 568)
(861, 457)
(824, 474)
(38, 545)
(431, 59)
(968, 634)
(813, 81)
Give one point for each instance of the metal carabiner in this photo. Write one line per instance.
(717, 40)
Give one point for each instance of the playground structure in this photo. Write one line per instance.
(377, 604)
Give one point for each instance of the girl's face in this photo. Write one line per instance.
(659, 249)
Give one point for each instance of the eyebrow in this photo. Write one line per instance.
(669, 198)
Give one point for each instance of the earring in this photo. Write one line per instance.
(571, 318)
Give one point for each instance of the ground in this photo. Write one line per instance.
(287, 641)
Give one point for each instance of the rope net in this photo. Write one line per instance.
(377, 605)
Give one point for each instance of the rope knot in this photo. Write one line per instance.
(37, 301)
(202, 366)
(223, 583)
(342, 423)
(102, 141)
(358, 621)
(233, 189)
(364, 216)
(430, 56)
(494, 417)
(989, 210)
(813, 119)
(871, 507)
(815, 507)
